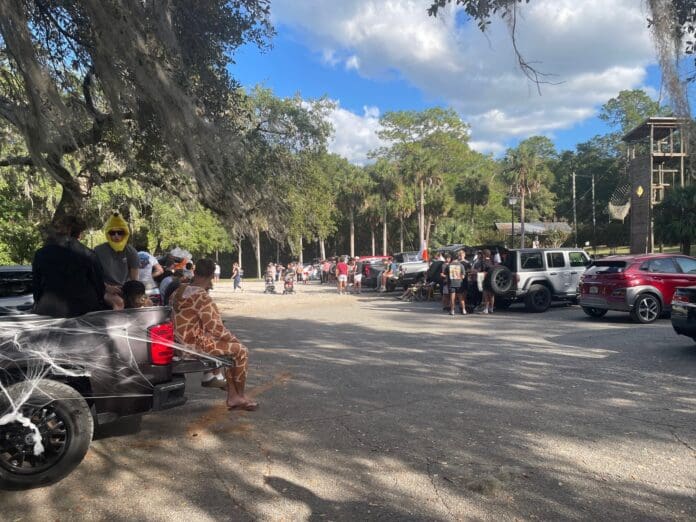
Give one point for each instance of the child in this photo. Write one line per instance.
(134, 295)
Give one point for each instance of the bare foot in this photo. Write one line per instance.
(242, 403)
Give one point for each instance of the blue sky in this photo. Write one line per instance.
(372, 56)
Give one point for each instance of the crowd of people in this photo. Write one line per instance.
(70, 280)
(463, 283)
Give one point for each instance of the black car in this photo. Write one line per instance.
(684, 311)
(16, 288)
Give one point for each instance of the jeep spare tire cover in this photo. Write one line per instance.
(501, 279)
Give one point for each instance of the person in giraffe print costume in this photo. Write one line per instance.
(197, 323)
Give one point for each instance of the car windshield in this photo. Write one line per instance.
(607, 267)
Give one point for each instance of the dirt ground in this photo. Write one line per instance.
(376, 409)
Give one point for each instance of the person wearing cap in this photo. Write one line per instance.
(119, 260)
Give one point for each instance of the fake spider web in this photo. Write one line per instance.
(620, 202)
(34, 349)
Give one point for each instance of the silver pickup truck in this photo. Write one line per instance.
(410, 268)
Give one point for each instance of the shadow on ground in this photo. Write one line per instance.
(416, 416)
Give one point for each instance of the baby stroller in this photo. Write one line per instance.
(270, 285)
(289, 282)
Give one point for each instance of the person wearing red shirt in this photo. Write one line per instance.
(342, 274)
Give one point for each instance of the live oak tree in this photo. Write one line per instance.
(101, 90)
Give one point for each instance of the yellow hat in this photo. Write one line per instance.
(116, 222)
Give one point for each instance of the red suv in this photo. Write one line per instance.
(642, 285)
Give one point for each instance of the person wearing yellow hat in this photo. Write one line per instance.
(118, 259)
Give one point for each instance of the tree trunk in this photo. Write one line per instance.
(427, 232)
(401, 234)
(384, 231)
(421, 214)
(372, 239)
(239, 255)
(686, 246)
(301, 249)
(352, 233)
(257, 251)
(70, 204)
(322, 248)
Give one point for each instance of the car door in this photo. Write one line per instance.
(687, 267)
(578, 262)
(557, 272)
(664, 275)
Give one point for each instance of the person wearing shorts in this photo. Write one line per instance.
(357, 277)
(342, 275)
(456, 280)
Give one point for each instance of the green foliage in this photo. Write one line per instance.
(675, 217)
(526, 169)
(159, 222)
(481, 11)
(27, 202)
(629, 109)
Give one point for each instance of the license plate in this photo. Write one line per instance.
(594, 289)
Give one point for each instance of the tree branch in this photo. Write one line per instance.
(8, 111)
(24, 161)
(87, 92)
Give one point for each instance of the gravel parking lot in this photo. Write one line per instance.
(372, 408)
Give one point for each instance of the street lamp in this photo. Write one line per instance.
(513, 201)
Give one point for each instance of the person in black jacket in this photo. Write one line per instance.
(67, 276)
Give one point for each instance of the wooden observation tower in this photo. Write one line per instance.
(656, 157)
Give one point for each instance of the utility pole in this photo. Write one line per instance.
(594, 219)
(575, 213)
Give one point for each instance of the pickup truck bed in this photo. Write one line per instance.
(113, 363)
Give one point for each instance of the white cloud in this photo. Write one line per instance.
(488, 147)
(595, 48)
(355, 135)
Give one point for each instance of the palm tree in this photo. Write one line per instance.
(385, 182)
(527, 171)
(353, 186)
(472, 191)
(419, 166)
(403, 204)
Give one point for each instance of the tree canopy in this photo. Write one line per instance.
(101, 90)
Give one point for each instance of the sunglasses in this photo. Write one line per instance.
(116, 233)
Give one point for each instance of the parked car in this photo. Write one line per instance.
(372, 268)
(684, 311)
(410, 268)
(62, 377)
(642, 285)
(16, 287)
(537, 276)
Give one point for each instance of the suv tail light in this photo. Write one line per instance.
(680, 298)
(161, 338)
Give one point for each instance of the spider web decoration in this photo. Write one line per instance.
(620, 202)
(35, 350)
